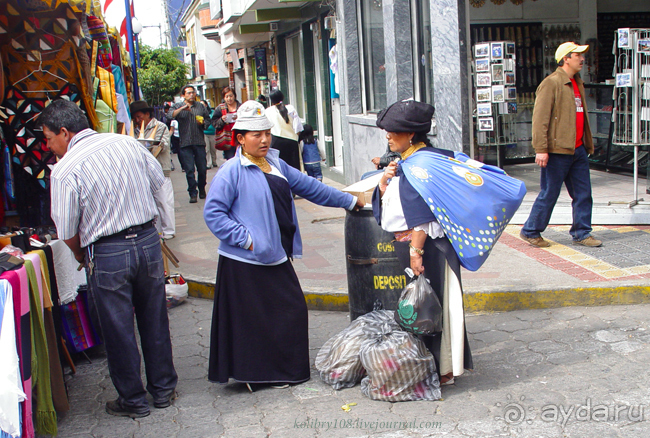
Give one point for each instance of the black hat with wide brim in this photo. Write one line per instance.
(406, 116)
(140, 105)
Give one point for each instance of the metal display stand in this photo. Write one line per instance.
(495, 95)
(632, 96)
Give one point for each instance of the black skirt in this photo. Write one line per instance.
(289, 150)
(259, 325)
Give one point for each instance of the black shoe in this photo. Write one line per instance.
(114, 407)
(165, 402)
(202, 194)
(193, 199)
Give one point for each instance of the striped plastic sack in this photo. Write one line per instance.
(399, 366)
(338, 360)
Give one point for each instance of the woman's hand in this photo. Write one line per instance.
(416, 263)
(389, 172)
(223, 117)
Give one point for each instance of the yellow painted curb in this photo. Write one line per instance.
(200, 290)
(489, 301)
(547, 299)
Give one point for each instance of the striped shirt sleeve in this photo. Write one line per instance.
(65, 208)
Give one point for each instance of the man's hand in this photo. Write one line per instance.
(541, 159)
(187, 107)
(375, 161)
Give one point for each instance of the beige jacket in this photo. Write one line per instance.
(162, 136)
(554, 116)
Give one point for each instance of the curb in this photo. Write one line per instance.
(486, 301)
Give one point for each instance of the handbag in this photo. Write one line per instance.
(223, 138)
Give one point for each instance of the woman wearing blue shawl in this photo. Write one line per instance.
(420, 242)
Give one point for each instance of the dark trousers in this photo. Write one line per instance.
(189, 157)
(128, 278)
(573, 171)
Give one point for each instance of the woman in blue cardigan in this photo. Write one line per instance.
(259, 322)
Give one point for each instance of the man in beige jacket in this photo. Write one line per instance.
(562, 142)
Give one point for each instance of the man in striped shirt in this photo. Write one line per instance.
(103, 207)
(191, 116)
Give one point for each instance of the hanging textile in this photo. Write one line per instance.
(107, 88)
(11, 393)
(97, 31)
(22, 318)
(45, 415)
(59, 395)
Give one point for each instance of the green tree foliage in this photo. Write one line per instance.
(162, 74)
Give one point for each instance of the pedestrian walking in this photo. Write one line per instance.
(311, 156)
(259, 322)
(223, 120)
(103, 207)
(420, 243)
(210, 151)
(562, 141)
(286, 126)
(157, 135)
(191, 116)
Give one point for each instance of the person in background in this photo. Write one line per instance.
(191, 116)
(227, 110)
(142, 114)
(311, 157)
(286, 126)
(259, 324)
(210, 151)
(381, 162)
(262, 100)
(103, 206)
(420, 242)
(173, 133)
(562, 141)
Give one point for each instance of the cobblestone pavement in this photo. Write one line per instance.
(569, 372)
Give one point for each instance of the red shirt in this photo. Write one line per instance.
(580, 114)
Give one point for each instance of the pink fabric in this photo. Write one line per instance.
(20, 284)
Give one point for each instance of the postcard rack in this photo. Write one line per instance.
(632, 94)
(495, 95)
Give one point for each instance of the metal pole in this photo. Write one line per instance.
(129, 38)
(137, 48)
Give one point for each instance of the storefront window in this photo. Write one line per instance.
(373, 55)
(423, 68)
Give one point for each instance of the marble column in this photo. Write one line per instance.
(398, 50)
(449, 26)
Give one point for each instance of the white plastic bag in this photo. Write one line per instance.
(176, 290)
(338, 361)
(399, 366)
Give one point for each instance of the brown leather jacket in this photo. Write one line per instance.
(554, 116)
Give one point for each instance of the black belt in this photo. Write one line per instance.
(130, 232)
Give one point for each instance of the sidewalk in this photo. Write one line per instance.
(572, 372)
(516, 276)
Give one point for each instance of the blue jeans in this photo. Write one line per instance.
(573, 171)
(314, 171)
(128, 278)
(189, 156)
